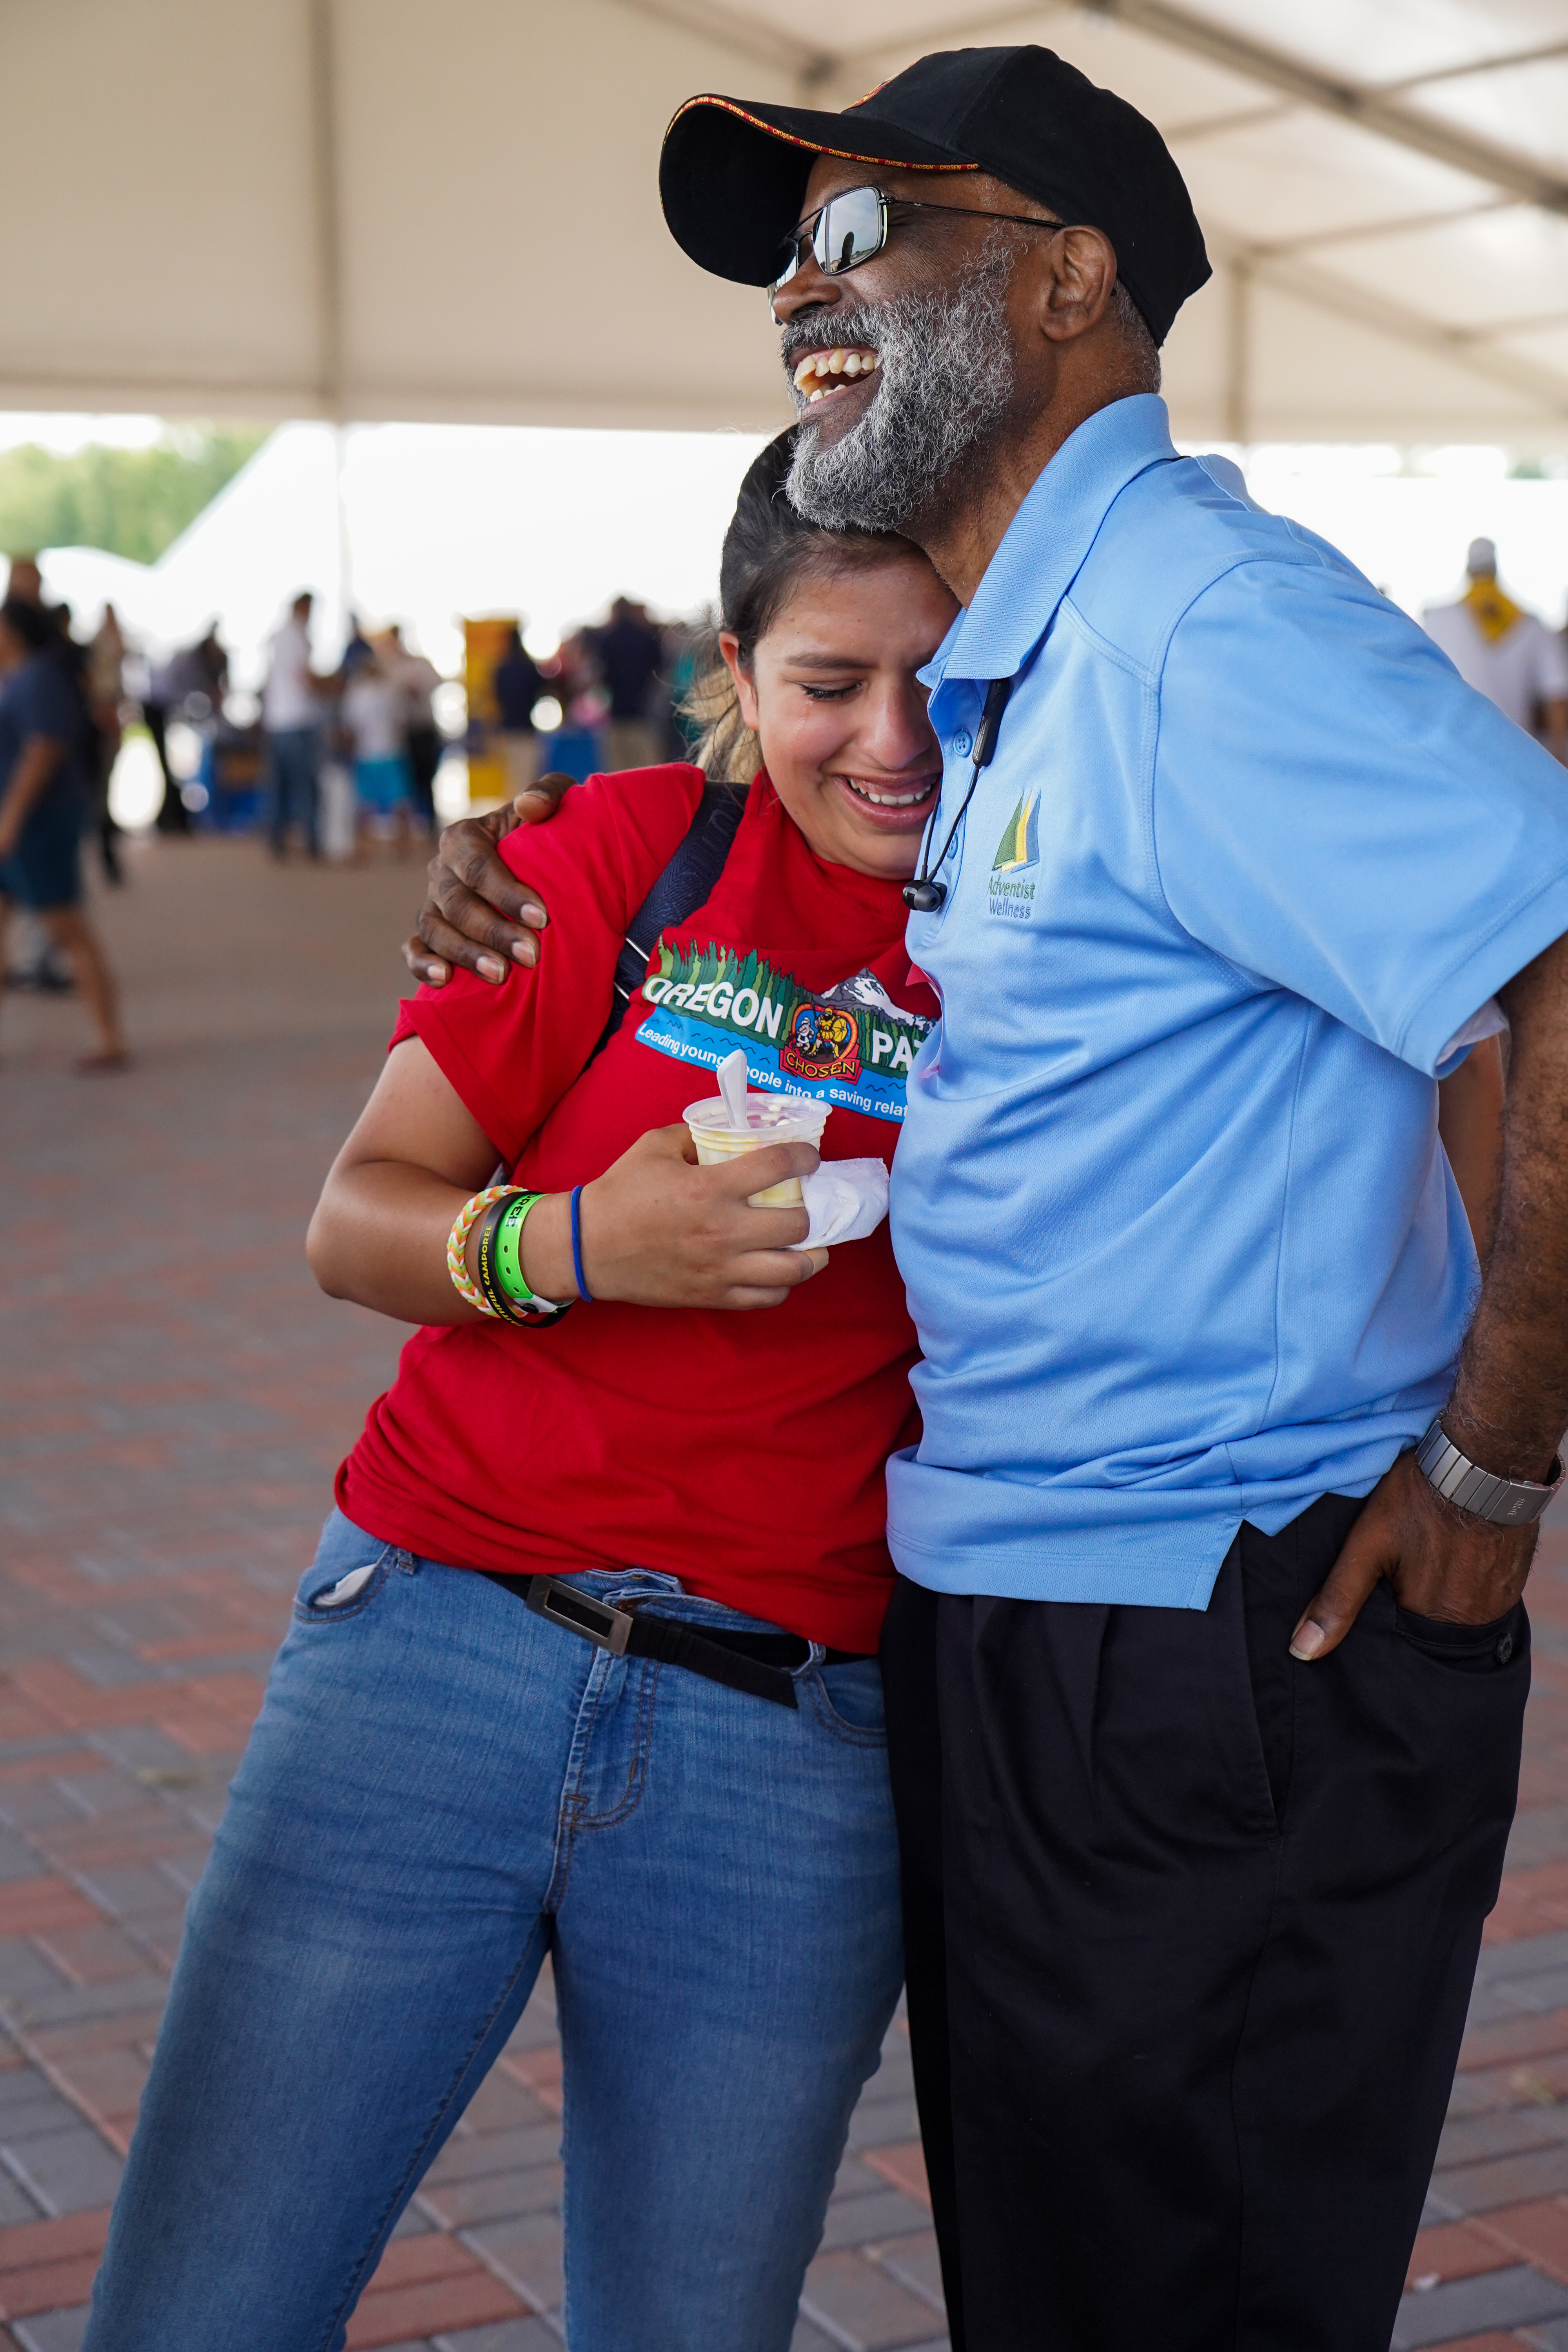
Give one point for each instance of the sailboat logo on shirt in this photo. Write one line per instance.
(1018, 849)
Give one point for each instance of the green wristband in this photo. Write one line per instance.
(509, 1272)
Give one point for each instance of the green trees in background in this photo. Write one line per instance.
(133, 502)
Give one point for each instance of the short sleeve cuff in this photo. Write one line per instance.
(1525, 932)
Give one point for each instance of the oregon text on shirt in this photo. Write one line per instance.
(1181, 1244)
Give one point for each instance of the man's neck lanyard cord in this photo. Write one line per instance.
(922, 895)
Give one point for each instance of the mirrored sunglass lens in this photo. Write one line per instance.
(849, 231)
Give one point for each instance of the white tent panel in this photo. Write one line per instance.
(1525, 105)
(1383, 42)
(1292, 178)
(430, 209)
(503, 252)
(1472, 274)
(1309, 384)
(158, 175)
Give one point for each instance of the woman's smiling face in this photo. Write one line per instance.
(832, 694)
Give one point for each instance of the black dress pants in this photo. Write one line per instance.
(1190, 1935)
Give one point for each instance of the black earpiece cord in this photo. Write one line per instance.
(922, 895)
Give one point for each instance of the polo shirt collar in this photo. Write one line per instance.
(1048, 538)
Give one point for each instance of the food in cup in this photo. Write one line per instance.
(770, 1118)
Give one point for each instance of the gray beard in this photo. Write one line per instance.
(946, 369)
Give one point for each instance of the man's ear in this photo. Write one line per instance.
(1078, 278)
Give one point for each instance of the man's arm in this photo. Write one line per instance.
(476, 913)
(1470, 1121)
(1510, 1402)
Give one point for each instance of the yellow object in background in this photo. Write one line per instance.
(484, 642)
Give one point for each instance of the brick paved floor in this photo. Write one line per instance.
(173, 1397)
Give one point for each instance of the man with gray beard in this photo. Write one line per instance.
(1207, 1660)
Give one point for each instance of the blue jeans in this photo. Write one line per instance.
(440, 1787)
(293, 757)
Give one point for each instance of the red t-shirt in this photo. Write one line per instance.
(742, 1452)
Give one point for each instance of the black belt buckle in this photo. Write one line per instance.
(562, 1604)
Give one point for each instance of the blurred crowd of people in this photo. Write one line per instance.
(332, 759)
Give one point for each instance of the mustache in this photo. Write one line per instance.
(858, 322)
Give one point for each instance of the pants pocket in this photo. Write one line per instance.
(1466, 1649)
(344, 1578)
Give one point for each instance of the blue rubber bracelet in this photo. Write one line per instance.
(584, 1292)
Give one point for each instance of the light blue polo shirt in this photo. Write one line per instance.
(1180, 1239)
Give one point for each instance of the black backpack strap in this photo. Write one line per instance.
(686, 884)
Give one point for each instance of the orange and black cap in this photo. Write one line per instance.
(732, 174)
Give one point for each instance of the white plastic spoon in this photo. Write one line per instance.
(733, 1086)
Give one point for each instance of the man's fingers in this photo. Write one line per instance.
(539, 804)
(456, 948)
(1329, 1616)
(425, 966)
(466, 861)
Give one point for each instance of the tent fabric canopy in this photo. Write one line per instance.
(379, 209)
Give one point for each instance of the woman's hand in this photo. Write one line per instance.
(659, 1231)
(478, 913)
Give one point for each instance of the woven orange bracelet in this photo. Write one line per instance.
(458, 1243)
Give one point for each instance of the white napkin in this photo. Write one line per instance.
(845, 1200)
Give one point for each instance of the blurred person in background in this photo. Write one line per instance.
(1504, 652)
(372, 715)
(629, 653)
(357, 650)
(417, 680)
(190, 685)
(46, 787)
(517, 682)
(105, 677)
(291, 720)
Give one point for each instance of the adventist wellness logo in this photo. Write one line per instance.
(1020, 848)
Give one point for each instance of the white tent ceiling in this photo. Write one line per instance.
(446, 209)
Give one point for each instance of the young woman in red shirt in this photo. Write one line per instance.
(666, 1771)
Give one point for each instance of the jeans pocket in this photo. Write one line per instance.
(1466, 1649)
(331, 1591)
(847, 1700)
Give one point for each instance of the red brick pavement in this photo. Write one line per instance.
(173, 1397)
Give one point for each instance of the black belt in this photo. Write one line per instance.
(758, 1663)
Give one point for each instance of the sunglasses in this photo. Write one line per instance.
(855, 225)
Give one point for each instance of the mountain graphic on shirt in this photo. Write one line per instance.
(864, 992)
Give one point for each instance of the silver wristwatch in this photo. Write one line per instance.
(1508, 1502)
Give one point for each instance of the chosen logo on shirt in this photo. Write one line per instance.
(1010, 894)
(824, 1043)
(849, 1044)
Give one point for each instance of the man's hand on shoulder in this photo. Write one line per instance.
(476, 913)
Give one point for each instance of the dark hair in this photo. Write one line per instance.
(30, 622)
(767, 548)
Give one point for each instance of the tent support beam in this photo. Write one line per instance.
(1299, 83)
(1238, 352)
(1259, 62)
(328, 213)
(1375, 312)
(746, 35)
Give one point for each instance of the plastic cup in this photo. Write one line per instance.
(770, 1118)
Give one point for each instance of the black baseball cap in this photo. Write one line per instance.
(733, 173)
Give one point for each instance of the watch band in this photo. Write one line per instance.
(1507, 1502)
